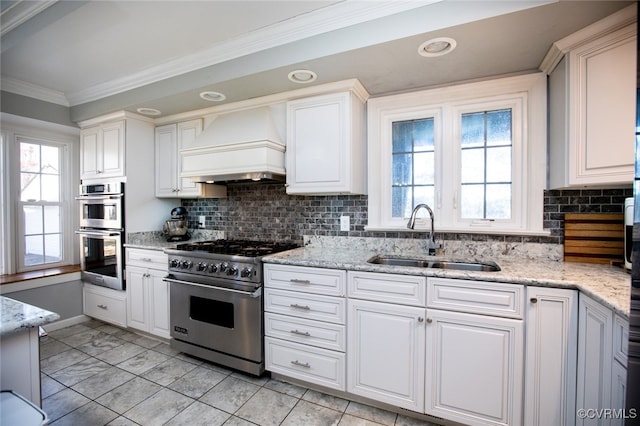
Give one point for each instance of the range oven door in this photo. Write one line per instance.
(101, 211)
(101, 260)
(217, 318)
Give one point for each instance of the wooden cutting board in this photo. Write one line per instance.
(593, 237)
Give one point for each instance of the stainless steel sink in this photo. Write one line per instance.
(435, 264)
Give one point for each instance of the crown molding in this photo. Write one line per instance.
(20, 12)
(30, 90)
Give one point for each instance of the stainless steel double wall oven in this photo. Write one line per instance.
(101, 233)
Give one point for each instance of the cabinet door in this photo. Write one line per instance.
(89, 152)
(595, 357)
(137, 299)
(113, 135)
(159, 304)
(618, 393)
(166, 161)
(551, 346)
(474, 368)
(385, 355)
(187, 133)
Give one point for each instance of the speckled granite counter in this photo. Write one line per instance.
(607, 284)
(17, 316)
(158, 241)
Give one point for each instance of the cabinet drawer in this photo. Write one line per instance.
(304, 305)
(478, 297)
(315, 333)
(330, 282)
(147, 258)
(105, 304)
(403, 289)
(620, 339)
(314, 365)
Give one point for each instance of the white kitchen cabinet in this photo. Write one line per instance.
(102, 152)
(305, 312)
(551, 351)
(147, 292)
(170, 139)
(20, 366)
(386, 356)
(105, 304)
(326, 144)
(592, 105)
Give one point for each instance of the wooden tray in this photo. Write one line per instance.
(594, 237)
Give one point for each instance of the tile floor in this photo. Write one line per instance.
(97, 374)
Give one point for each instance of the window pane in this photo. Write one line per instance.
(499, 164)
(402, 169)
(50, 188)
(423, 194)
(424, 168)
(499, 127)
(29, 187)
(472, 202)
(498, 201)
(472, 162)
(29, 157)
(51, 219)
(32, 220)
(50, 160)
(402, 135)
(52, 248)
(401, 201)
(34, 253)
(423, 137)
(472, 130)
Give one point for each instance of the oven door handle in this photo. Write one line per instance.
(97, 232)
(252, 294)
(99, 197)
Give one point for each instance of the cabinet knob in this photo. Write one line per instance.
(429, 320)
(420, 319)
(534, 300)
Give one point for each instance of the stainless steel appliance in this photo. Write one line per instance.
(628, 231)
(176, 228)
(216, 300)
(101, 234)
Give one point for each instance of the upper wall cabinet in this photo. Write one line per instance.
(326, 143)
(592, 103)
(102, 150)
(170, 139)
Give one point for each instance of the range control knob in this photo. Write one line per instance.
(186, 264)
(232, 270)
(246, 272)
(202, 266)
(173, 263)
(224, 267)
(213, 268)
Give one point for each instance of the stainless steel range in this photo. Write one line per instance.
(216, 300)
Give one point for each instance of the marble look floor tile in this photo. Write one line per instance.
(169, 371)
(79, 371)
(306, 413)
(410, 421)
(93, 323)
(68, 331)
(237, 421)
(62, 403)
(329, 401)
(164, 348)
(230, 394)
(188, 358)
(52, 347)
(267, 407)
(121, 353)
(286, 388)
(146, 342)
(258, 381)
(103, 382)
(128, 395)
(125, 335)
(61, 360)
(109, 329)
(159, 408)
(371, 413)
(48, 386)
(199, 414)
(197, 382)
(100, 343)
(78, 339)
(122, 421)
(143, 362)
(349, 420)
(88, 414)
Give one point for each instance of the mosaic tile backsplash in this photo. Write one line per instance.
(263, 211)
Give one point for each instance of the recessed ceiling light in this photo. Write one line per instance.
(148, 111)
(302, 76)
(437, 47)
(213, 96)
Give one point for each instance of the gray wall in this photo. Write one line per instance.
(65, 299)
(24, 106)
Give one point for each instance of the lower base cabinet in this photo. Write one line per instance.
(105, 304)
(148, 301)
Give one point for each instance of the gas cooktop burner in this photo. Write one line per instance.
(246, 248)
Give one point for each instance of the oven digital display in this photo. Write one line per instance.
(211, 311)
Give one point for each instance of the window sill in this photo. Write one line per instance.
(42, 273)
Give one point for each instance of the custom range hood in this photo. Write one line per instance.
(238, 146)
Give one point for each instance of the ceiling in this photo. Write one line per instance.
(97, 57)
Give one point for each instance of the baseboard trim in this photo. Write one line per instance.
(66, 323)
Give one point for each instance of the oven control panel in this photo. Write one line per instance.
(216, 268)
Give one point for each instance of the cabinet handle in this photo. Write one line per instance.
(299, 364)
(98, 171)
(103, 307)
(429, 320)
(296, 281)
(146, 259)
(305, 307)
(301, 333)
(534, 300)
(420, 319)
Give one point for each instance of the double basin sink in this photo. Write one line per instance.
(435, 264)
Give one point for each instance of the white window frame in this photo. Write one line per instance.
(525, 94)
(16, 129)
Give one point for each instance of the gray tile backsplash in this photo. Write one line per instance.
(263, 211)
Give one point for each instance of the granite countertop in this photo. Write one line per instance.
(17, 316)
(158, 241)
(609, 285)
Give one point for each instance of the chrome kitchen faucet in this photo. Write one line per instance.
(431, 243)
